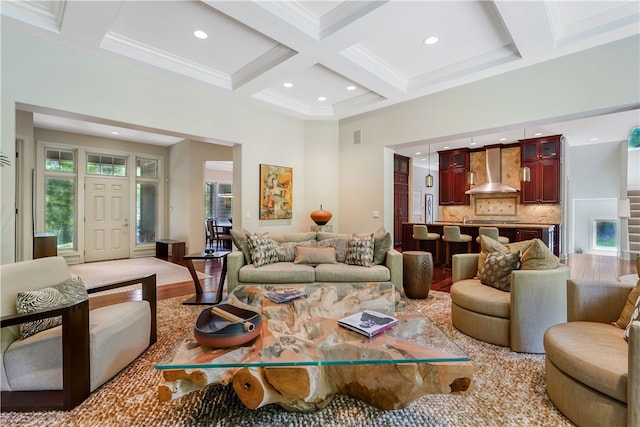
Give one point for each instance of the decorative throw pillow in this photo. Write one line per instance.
(497, 269)
(538, 256)
(627, 310)
(239, 239)
(315, 255)
(339, 244)
(263, 250)
(287, 250)
(68, 292)
(381, 244)
(360, 251)
(635, 316)
(489, 245)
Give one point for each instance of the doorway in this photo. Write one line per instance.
(106, 226)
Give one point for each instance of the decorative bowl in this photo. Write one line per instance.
(214, 331)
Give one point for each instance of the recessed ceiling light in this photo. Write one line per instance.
(115, 132)
(445, 147)
(537, 134)
(287, 84)
(200, 34)
(502, 139)
(351, 87)
(594, 139)
(322, 98)
(472, 143)
(431, 40)
(418, 153)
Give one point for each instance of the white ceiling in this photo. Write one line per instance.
(322, 47)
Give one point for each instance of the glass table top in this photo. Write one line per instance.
(301, 333)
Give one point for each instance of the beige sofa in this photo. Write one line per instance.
(519, 318)
(241, 271)
(592, 373)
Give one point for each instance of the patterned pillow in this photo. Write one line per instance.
(634, 317)
(287, 250)
(497, 269)
(263, 250)
(68, 292)
(360, 251)
(340, 246)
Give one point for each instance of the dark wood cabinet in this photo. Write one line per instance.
(542, 157)
(454, 167)
(400, 195)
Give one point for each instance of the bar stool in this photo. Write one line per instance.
(451, 234)
(420, 232)
(491, 232)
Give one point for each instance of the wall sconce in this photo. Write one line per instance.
(428, 180)
(472, 178)
(525, 174)
(624, 209)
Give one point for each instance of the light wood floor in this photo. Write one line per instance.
(581, 266)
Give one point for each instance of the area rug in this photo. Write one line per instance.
(508, 390)
(98, 273)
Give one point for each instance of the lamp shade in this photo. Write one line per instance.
(428, 181)
(624, 208)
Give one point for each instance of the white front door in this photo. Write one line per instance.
(106, 227)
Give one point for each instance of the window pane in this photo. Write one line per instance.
(146, 212)
(59, 210)
(146, 168)
(106, 165)
(59, 160)
(224, 202)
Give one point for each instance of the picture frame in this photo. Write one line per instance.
(276, 192)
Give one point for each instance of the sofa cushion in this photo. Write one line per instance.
(497, 269)
(635, 316)
(340, 272)
(68, 292)
(293, 237)
(263, 249)
(538, 256)
(592, 353)
(627, 310)
(280, 272)
(287, 250)
(239, 239)
(382, 242)
(314, 255)
(360, 251)
(479, 298)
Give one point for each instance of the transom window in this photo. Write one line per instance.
(146, 168)
(98, 164)
(59, 160)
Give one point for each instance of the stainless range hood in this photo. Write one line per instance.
(494, 175)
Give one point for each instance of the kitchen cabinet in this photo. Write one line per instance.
(454, 167)
(542, 157)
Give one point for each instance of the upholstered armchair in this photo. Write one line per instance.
(518, 319)
(58, 367)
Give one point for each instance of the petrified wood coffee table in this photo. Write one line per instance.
(303, 358)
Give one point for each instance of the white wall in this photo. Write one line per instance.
(539, 92)
(418, 180)
(40, 74)
(633, 167)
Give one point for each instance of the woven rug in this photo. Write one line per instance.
(98, 273)
(508, 390)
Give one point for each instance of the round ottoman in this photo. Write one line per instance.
(417, 273)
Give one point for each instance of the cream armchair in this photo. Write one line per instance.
(517, 319)
(592, 374)
(57, 368)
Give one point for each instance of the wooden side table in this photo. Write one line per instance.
(169, 249)
(201, 297)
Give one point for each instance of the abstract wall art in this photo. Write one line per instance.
(276, 192)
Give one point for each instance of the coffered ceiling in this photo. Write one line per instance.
(338, 58)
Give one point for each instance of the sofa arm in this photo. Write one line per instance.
(633, 381)
(235, 261)
(596, 300)
(464, 266)
(393, 261)
(538, 301)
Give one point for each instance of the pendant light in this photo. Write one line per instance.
(428, 180)
(471, 176)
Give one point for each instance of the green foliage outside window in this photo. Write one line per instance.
(59, 212)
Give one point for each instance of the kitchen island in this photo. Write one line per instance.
(514, 231)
